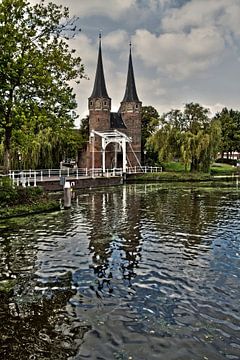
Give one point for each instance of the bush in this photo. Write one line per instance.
(10, 196)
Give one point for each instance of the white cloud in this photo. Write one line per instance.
(112, 9)
(179, 54)
(116, 40)
(225, 15)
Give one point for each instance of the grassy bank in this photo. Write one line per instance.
(24, 210)
(20, 201)
(175, 171)
(223, 169)
(170, 176)
(215, 169)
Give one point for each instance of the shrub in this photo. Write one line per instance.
(10, 195)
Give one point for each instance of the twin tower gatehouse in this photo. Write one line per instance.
(115, 137)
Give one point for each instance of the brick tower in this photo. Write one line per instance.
(130, 110)
(124, 124)
(99, 105)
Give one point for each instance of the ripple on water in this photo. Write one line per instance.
(134, 272)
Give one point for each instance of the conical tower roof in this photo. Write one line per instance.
(130, 92)
(99, 89)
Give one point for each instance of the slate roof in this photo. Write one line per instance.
(116, 121)
(130, 92)
(99, 89)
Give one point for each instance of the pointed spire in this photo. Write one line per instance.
(99, 89)
(130, 92)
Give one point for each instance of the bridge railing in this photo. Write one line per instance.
(32, 177)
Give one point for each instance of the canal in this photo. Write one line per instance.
(135, 272)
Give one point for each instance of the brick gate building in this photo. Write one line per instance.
(104, 150)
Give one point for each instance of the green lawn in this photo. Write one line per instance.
(223, 169)
(216, 168)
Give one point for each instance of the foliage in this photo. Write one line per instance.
(150, 121)
(10, 195)
(36, 99)
(230, 124)
(84, 130)
(188, 135)
(27, 209)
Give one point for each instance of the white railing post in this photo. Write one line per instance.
(49, 173)
(135, 169)
(13, 176)
(77, 173)
(35, 179)
(41, 175)
(60, 172)
(68, 172)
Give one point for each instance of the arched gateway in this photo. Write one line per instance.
(113, 136)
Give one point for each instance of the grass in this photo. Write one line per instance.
(170, 176)
(19, 201)
(223, 169)
(175, 171)
(26, 209)
(173, 166)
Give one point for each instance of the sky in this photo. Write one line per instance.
(183, 50)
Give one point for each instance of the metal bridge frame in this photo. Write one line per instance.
(108, 137)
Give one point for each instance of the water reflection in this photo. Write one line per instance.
(141, 271)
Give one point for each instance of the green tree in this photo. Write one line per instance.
(189, 135)
(36, 67)
(150, 121)
(230, 124)
(84, 130)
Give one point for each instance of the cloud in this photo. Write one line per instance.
(112, 9)
(116, 40)
(179, 54)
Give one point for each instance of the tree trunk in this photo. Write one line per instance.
(7, 143)
(194, 165)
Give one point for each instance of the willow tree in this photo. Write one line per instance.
(36, 68)
(189, 135)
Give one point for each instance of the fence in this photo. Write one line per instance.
(32, 177)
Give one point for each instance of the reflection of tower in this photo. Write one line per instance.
(115, 237)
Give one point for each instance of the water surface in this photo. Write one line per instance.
(137, 272)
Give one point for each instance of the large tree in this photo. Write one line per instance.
(189, 135)
(230, 124)
(150, 121)
(36, 67)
